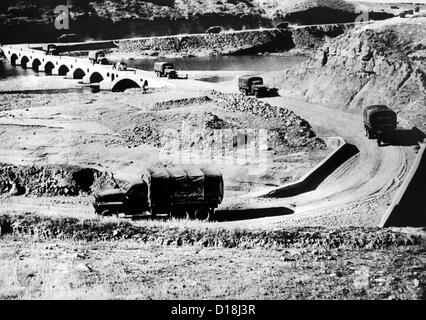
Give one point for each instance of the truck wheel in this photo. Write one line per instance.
(379, 142)
(203, 214)
(181, 214)
(256, 94)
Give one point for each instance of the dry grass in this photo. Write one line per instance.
(126, 270)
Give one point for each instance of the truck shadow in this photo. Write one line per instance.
(248, 214)
(404, 137)
(272, 92)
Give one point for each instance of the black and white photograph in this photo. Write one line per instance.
(229, 152)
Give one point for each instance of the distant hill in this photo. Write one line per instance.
(33, 20)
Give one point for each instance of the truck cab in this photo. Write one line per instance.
(165, 69)
(120, 66)
(51, 49)
(379, 122)
(250, 85)
(133, 199)
(98, 57)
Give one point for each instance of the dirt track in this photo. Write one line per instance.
(356, 194)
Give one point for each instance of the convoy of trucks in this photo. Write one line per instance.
(192, 192)
(180, 192)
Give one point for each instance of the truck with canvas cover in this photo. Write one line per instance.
(98, 57)
(180, 192)
(250, 85)
(379, 122)
(165, 69)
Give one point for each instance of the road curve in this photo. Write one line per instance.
(357, 193)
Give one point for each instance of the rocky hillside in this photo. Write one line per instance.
(33, 20)
(381, 63)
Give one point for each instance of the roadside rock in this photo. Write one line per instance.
(51, 180)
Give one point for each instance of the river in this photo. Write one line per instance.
(263, 63)
(16, 79)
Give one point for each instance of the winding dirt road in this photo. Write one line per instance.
(356, 194)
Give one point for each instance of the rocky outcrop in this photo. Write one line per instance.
(382, 63)
(24, 21)
(236, 43)
(210, 44)
(293, 132)
(52, 180)
(33, 21)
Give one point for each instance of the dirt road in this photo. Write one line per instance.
(354, 195)
(359, 191)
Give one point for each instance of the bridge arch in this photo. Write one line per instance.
(49, 66)
(24, 62)
(96, 77)
(36, 64)
(124, 84)
(78, 74)
(63, 70)
(13, 59)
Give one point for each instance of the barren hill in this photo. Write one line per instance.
(33, 21)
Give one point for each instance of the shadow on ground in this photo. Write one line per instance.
(404, 137)
(247, 214)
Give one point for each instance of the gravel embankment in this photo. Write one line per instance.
(178, 235)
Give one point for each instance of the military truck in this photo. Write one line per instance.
(184, 193)
(165, 69)
(98, 57)
(250, 85)
(51, 49)
(120, 66)
(379, 122)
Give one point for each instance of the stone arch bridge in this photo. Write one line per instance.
(75, 68)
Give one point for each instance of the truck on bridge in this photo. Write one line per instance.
(185, 193)
(379, 122)
(51, 49)
(98, 57)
